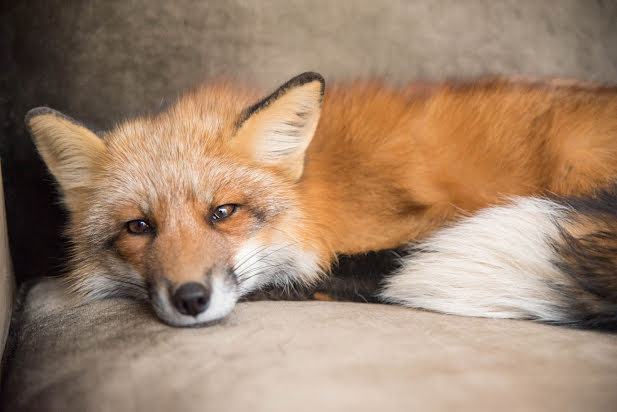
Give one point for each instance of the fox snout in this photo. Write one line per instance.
(195, 302)
(191, 298)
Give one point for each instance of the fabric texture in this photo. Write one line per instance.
(114, 355)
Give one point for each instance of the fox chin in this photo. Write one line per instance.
(499, 193)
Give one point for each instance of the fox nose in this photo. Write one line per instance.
(191, 298)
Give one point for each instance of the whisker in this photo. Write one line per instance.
(237, 266)
(131, 286)
(265, 266)
(266, 256)
(254, 274)
(260, 270)
(130, 282)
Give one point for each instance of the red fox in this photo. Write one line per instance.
(499, 192)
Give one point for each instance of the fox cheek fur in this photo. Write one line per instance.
(189, 209)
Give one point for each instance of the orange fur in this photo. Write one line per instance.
(388, 169)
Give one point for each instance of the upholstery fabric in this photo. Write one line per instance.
(114, 355)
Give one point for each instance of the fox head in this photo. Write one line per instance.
(191, 208)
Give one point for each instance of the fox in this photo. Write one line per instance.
(499, 196)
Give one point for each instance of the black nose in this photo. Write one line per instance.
(191, 298)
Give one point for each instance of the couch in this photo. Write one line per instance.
(103, 60)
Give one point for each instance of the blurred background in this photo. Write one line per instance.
(102, 61)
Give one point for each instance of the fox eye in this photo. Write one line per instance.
(138, 227)
(223, 212)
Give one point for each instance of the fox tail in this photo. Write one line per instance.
(550, 260)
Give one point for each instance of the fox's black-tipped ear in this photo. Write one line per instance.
(69, 149)
(277, 130)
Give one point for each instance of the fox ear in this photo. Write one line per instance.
(277, 130)
(68, 148)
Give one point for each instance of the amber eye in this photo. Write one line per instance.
(223, 212)
(138, 227)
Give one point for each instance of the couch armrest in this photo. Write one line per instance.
(7, 283)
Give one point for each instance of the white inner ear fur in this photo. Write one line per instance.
(68, 149)
(279, 133)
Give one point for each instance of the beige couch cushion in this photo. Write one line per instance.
(301, 356)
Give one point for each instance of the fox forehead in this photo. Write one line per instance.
(183, 151)
(205, 182)
(197, 124)
(185, 134)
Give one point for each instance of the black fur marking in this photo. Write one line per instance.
(112, 243)
(299, 80)
(602, 204)
(357, 278)
(39, 111)
(589, 259)
(260, 215)
(354, 278)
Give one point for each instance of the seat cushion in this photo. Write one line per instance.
(114, 355)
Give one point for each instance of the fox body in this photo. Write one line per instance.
(498, 192)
